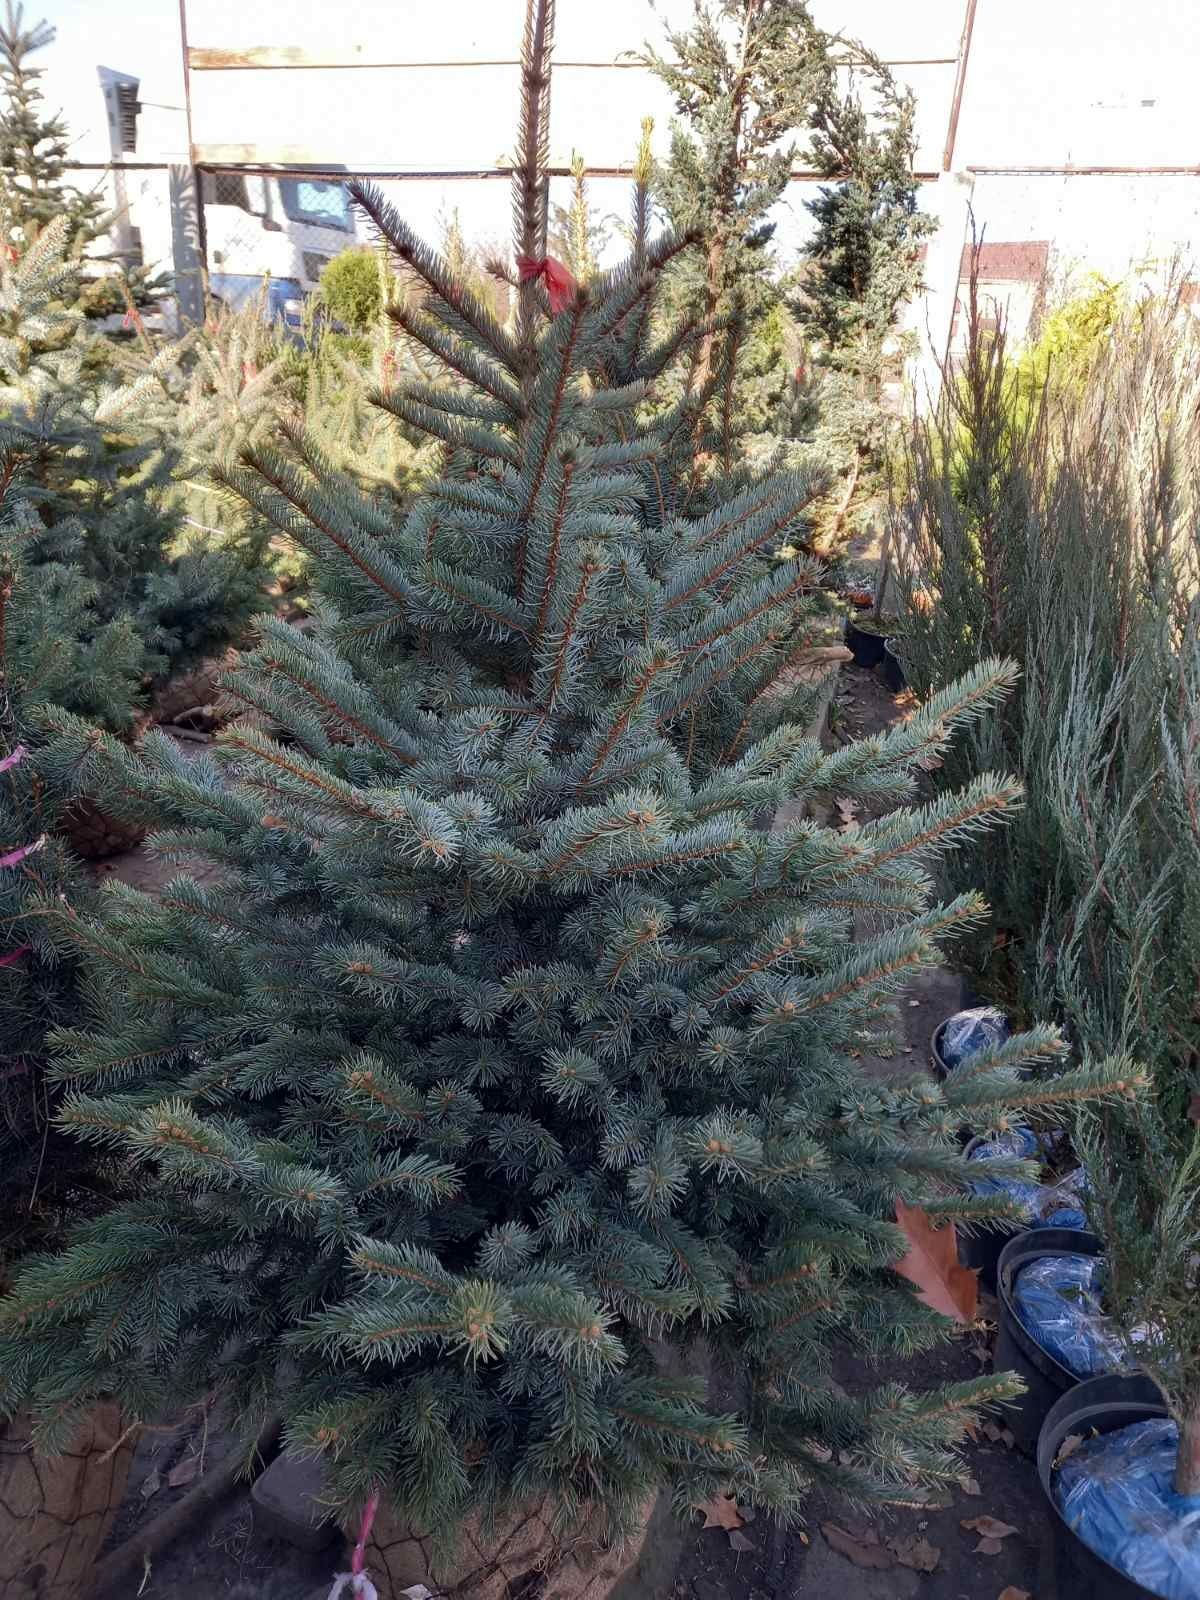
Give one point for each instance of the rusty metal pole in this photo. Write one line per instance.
(960, 80)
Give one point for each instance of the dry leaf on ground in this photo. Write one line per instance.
(999, 1435)
(721, 1512)
(989, 1527)
(864, 1551)
(811, 666)
(739, 1541)
(184, 1472)
(971, 1487)
(988, 1547)
(151, 1483)
(918, 1554)
(1068, 1448)
(847, 810)
(932, 1264)
(1014, 1594)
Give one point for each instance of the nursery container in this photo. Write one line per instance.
(522, 1557)
(890, 668)
(1016, 1350)
(866, 647)
(56, 1512)
(1101, 1405)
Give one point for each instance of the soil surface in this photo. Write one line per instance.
(226, 1559)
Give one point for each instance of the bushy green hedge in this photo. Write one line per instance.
(352, 289)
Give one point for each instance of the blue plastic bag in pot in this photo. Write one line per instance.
(966, 1033)
(1116, 1493)
(1058, 1301)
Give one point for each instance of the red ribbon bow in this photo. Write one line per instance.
(560, 285)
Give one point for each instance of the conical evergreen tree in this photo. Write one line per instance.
(33, 145)
(510, 1050)
(102, 483)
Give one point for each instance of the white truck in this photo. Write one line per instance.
(271, 226)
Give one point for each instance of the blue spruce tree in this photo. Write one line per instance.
(511, 1053)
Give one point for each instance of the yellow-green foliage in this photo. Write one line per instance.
(353, 289)
(1071, 338)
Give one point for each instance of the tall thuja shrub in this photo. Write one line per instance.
(1029, 522)
(1124, 789)
(743, 77)
(1062, 527)
(862, 268)
(507, 1056)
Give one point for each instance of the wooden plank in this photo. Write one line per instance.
(205, 58)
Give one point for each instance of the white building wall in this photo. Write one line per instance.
(1071, 83)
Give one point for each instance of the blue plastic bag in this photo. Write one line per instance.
(968, 1032)
(1115, 1492)
(1043, 1205)
(1057, 1299)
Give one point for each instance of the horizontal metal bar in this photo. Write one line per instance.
(1084, 172)
(208, 159)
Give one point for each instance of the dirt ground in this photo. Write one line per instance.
(224, 1559)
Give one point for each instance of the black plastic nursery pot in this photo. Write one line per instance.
(1098, 1405)
(890, 669)
(1046, 1379)
(940, 1069)
(866, 647)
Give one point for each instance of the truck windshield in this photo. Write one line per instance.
(324, 205)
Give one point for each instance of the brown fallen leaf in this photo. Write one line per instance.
(988, 1527)
(1012, 1593)
(932, 1264)
(864, 1552)
(971, 1487)
(999, 1435)
(988, 1547)
(151, 1483)
(811, 666)
(739, 1541)
(929, 762)
(918, 1554)
(184, 1472)
(721, 1512)
(1068, 1448)
(847, 810)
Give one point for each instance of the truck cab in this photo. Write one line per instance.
(273, 226)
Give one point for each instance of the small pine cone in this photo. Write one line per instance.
(94, 835)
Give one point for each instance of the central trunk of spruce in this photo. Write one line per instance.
(1187, 1464)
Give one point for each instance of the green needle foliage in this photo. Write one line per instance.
(1060, 524)
(103, 483)
(33, 146)
(509, 1054)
